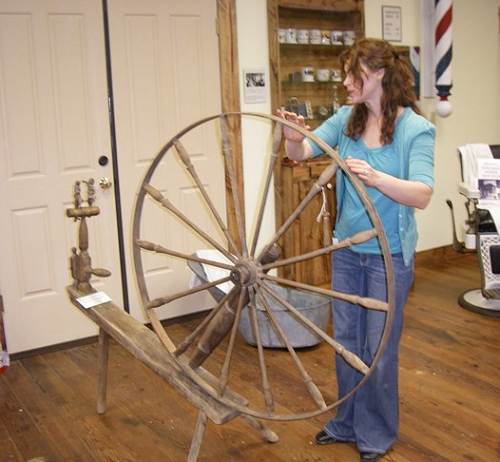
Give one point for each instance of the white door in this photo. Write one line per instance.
(166, 76)
(53, 128)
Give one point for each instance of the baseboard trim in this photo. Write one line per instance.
(53, 348)
(425, 257)
(438, 255)
(92, 339)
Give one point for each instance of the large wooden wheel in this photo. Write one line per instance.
(208, 352)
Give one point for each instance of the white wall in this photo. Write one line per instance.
(475, 95)
(253, 50)
(476, 110)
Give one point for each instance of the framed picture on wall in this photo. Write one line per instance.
(391, 23)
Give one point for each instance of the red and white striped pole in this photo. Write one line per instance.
(443, 54)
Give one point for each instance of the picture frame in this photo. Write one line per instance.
(392, 23)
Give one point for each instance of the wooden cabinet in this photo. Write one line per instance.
(306, 233)
(287, 63)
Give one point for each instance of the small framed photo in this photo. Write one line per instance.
(391, 23)
(254, 86)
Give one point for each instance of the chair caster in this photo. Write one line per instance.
(473, 300)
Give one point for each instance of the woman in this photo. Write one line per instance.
(389, 146)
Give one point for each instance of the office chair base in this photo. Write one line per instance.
(473, 300)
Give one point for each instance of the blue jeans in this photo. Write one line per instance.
(370, 417)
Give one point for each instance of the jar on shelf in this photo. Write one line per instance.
(282, 35)
(307, 74)
(349, 37)
(337, 37)
(336, 75)
(303, 36)
(315, 36)
(325, 37)
(322, 75)
(291, 35)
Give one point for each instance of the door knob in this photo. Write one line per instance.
(103, 160)
(105, 183)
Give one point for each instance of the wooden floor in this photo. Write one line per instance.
(450, 397)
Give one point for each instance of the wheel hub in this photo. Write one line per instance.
(244, 273)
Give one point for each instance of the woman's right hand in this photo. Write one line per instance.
(289, 133)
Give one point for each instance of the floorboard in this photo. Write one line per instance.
(449, 387)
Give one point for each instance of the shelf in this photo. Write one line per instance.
(311, 49)
(319, 161)
(330, 84)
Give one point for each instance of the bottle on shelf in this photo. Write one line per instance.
(335, 99)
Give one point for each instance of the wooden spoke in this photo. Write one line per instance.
(162, 334)
(353, 360)
(266, 388)
(370, 303)
(247, 261)
(160, 198)
(146, 245)
(278, 131)
(164, 300)
(324, 178)
(228, 155)
(356, 239)
(186, 160)
(229, 353)
(310, 385)
(190, 339)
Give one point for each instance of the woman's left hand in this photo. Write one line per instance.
(366, 173)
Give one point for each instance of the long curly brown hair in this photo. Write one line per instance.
(397, 84)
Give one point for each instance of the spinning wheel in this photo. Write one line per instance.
(208, 352)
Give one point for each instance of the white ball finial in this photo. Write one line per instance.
(443, 108)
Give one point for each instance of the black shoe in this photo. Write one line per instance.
(370, 456)
(324, 438)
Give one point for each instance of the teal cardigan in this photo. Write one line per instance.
(413, 142)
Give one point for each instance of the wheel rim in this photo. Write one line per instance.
(251, 281)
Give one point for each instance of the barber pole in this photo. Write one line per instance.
(443, 54)
(415, 68)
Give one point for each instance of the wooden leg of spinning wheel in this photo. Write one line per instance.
(199, 430)
(102, 384)
(267, 434)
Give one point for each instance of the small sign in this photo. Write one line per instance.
(254, 86)
(391, 23)
(488, 179)
(91, 300)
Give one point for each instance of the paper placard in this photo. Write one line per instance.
(488, 179)
(391, 23)
(91, 300)
(254, 86)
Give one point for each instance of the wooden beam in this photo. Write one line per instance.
(144, 344)
(230, 94)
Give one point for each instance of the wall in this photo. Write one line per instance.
(476, 114)
(475, 96)
(253, 54)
